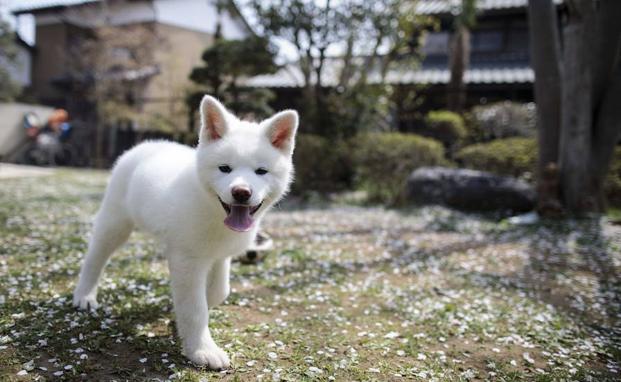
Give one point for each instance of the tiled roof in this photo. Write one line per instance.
(494, 75)
(446, 6)
(290, 76)
(29, 6)
(434, 7)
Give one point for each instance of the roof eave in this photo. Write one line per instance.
(50, 8)
(241, 16)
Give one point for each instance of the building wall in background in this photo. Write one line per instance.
(49, 61)
(185, 26)
(179, 53)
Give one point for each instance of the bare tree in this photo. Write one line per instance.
(365, 38)
(577, 90)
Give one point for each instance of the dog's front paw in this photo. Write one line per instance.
(213, 357)
(86, 302)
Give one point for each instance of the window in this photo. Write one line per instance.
(518, 40)
(487, 41)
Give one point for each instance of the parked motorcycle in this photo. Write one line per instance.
(48, 144)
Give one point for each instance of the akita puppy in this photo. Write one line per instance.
(204, 204)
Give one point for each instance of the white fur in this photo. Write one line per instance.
(172, 191)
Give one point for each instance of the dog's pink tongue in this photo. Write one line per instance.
(239, 218)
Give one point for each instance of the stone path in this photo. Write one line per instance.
(9, 170)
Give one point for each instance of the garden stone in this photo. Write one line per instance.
(469, 190)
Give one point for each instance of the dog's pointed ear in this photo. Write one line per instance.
(281, 129)
(213, 119)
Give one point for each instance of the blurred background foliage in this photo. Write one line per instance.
(9, 90)
(508, 156)
(383, 162)
(364, 125)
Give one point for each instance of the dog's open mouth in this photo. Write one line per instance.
(239, 216)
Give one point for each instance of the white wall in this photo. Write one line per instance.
(12, 134)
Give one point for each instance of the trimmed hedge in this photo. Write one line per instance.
(321, 165)
(511, 156)
(385, 160)
(501, 120)
(445, 126)
(518, 157)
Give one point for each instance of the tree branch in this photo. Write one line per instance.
(346, 70)
(369, 62)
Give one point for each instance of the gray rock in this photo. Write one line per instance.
(469, 190)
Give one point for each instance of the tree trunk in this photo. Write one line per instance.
(459, 60)
(605, 136)
(320, 117)
(577, 109)
(346, 72)
(112, 140)
(99, 144)
(606, 94)
(545, 60)
(590, 115)
(308, 104)
(606, 46)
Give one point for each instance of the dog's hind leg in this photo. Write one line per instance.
(111, 229)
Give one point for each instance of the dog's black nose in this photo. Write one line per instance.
(241, 194)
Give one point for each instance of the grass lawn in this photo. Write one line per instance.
(349, 294)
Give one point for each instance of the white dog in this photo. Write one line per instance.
(204, 204)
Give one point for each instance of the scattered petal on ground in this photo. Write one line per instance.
(349, 293)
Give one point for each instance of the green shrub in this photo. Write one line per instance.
(385, 160)
(612, 187)
(511, 156)
(321, 165)
(501, 120)
(445, 126)
(518, 157)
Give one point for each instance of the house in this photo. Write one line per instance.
(499, 60)
(499, 66)
(149, 48)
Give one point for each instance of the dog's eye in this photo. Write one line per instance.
(260, 171)
(225, 168)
